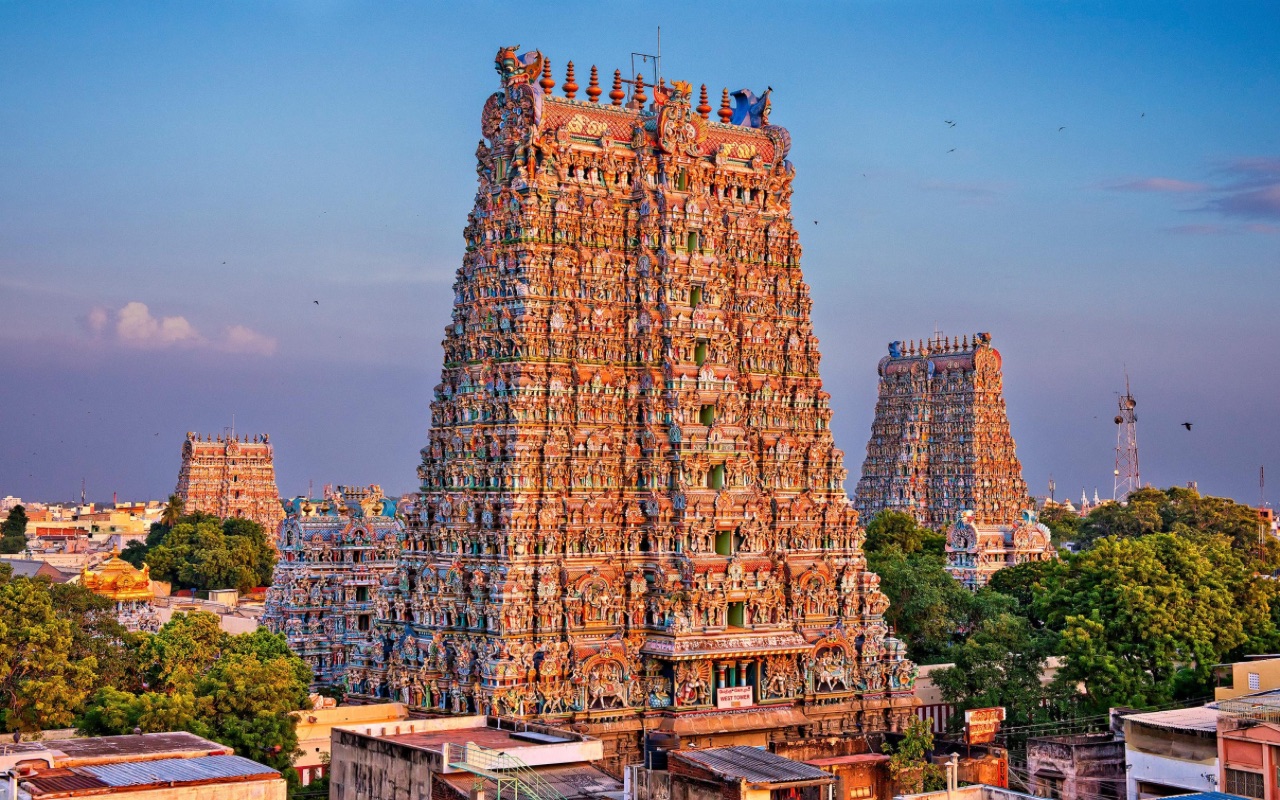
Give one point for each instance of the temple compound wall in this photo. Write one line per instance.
(632, 515)
(941, 450)
(335, 555)
(230, 476)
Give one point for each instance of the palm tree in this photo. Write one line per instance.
(172, 511)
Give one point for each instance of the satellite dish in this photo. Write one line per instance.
(1119, 419)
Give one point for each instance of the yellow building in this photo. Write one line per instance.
(1249, 677)
(130, 589)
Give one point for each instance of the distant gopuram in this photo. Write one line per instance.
(335, 553)
(230, 476)
(940, 450)
(632, 516)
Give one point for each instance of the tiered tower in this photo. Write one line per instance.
(335, 554)
(940, 442)
(230, 476)
(631, 514)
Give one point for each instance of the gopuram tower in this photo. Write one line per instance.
(231, 476)
(941, 450)
(632, 515)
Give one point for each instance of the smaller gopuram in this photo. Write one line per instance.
(335, 552)
(975, 551)
(128, 587)
(940, 442)
(230, 476)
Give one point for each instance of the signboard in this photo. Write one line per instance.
(735, 696)
(981, 724)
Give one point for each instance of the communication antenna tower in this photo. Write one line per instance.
(1126, 474)
(1053, 487)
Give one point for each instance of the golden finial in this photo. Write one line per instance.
(616, 94)
(725, 112)
(639, 97)
(593, 86)
(704, 109)
(547, 83)
(569, 86)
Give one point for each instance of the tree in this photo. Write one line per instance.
(928, 608)
(42, 683)
(1134, 612)
(172, 511)
(1002, 664)
(1023, 583)
(201, 553)
(909, 764)
(1063, 524)
(13, 531)
(242, 696)
(182, 650)
(96, 633)
(896, 528)
(135, 553)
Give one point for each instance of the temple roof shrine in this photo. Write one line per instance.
(128, 587)
(631, 515)
(230, 476)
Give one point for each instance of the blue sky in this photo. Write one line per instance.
(181, 181)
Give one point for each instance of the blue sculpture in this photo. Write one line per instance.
(750, 110)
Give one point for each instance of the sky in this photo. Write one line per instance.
(181, 182)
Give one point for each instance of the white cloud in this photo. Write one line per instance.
(136, 326)
(239, 339)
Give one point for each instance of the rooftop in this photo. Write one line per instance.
(753, 765)
(111, 749)
(570, 780)
(1200, 719)
(64, 782)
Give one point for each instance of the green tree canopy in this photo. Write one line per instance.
(182, 650)
(1133, 612)
(13, 531)
(43, 679)
(909, 764)
(928, 609)
(1063, 524)
(202, 553)
(901, 530)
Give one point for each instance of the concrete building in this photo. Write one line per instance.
(1249, 746)
(977, 791)
(29, 568)
(1086, 766)
(1171, 752)
(149, 766)
(448, 758)
(315, 732)
(1250, 677)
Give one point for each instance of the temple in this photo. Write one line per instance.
(129, 588)
(941, 450)
(334, 554)
(632, 517)
(230, 476)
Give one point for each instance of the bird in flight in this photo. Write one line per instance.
(1063, 128)
(949, 122)
(952, 150)
(1187, 425)
(815, 222)
(317, 302)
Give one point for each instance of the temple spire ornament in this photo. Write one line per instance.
(570, 86)
(616, 95)
(725, 112)
(631, 513)
(593, 86)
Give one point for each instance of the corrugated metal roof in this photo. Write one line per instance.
(1201, 719)
(61, 780)
(752, 764)
(177, 770)
(1206, 796)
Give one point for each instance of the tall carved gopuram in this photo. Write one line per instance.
(335, 554)
(230, 476)
(940, 442)
(632, 515)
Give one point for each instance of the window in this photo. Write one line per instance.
(695, 292)
(736, 614)
(707, 415)
(715, 477)
(693, 241)
(362, 594)
(700, 352)
(1050, 786)
(724, 543)
(1245, 784)
(1255, 681)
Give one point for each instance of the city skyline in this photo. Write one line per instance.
(256, 210)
